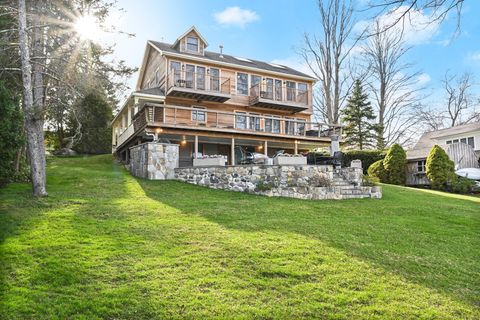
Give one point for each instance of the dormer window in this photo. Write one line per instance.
(192, 44)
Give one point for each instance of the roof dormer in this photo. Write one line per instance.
(191, 42)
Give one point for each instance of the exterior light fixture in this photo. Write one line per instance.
(159, 130)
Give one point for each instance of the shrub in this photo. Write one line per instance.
(377, 170)
(394, 164)
(368, 157)
(440, 169)
(264, 186)
(369, 181)
(462, 185)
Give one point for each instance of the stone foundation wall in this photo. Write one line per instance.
(303, 182)
(154, 161)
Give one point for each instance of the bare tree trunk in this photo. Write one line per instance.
(33, 112)
(327, 56)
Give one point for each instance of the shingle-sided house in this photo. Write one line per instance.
(209, 102)
(462, 144)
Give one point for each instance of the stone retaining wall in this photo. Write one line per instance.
(154, 161)
(303, 182)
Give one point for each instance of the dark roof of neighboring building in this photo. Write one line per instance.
(153, 91)
(225, 58)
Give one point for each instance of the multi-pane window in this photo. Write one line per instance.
(254, 122)
(199, 115)
(278, 90)
(192, 44)
(272, 125)
(421, 166)
(201, 78)
(289, 127)
(240, 120)
(175, 67)
(302, 93)
(290, 91)
(189, 75)
(300, 127)
(268, 88)
(469, 140)
(242, 83)
(255, 80)
(214, 79)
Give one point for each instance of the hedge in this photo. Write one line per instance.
(368, 157)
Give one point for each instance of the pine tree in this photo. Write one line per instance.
(358, 130)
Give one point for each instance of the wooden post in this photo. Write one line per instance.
(296, 147)
(265, 148)
(233, 151)
(196, 148)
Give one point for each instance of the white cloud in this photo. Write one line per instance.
(423, 79)
(474, 56)
(294, 63)
(235, 16)
(416, 27)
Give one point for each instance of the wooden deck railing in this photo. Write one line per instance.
(202, 82)
(205, 119)
(278, 93)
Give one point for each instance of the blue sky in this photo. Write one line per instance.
(273, 31)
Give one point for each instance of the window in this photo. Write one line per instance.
(192, 44)
(421, 166)
(201, 78)
(289, 127)
(254, 122)
(302, 93)
(471, 142)
(255, 81)
(269, 89)
(278, 90)
(241, 120)
(214, 79)
(199, 115)
(300, 127)
(189, 74)
(290, 91)
(175, 70)
(242, 83)
(272, 125)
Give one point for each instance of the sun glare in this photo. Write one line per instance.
(87, 27)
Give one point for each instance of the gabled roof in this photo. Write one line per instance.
(429, 139)
(192, 28)
(218, 58)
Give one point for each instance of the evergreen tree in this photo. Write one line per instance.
(358, 130)
(440, 169)
(394, 164)
(92, 121)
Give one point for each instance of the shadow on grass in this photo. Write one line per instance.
(425, 238)
(58, 253)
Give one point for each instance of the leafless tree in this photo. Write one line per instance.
(460, 102)
(393, 85)
(326, 55)
(438, 9)
(459, 106)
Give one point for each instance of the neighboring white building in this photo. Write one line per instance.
(467, 135)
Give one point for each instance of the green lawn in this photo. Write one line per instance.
(105, 245)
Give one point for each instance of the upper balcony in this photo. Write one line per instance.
(198, 86)
(280, 97)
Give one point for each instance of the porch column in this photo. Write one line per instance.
(196, 148)
(295, 150)
(232, 151)
(265, 148)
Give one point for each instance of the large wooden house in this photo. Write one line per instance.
(210, 102)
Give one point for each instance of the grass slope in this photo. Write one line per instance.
(106, 245)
